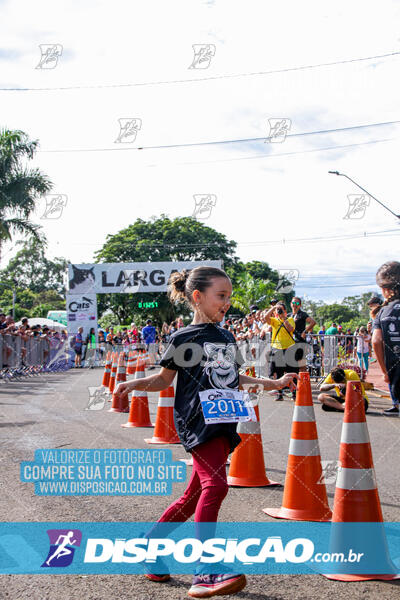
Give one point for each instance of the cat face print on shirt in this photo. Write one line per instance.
(220, 365)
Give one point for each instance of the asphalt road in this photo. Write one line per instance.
(49, 412)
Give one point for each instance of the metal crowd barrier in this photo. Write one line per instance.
(322, 353)
(20, 357)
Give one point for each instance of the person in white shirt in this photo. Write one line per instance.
(363, 341)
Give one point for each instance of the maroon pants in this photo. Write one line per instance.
(207, 486)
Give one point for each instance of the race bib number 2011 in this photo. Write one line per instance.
(226, 406)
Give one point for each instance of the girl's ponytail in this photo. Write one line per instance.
(177, 286)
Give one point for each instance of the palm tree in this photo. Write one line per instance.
(248, 290)
(20, 187)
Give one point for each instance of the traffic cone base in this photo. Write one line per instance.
(139, 415)
(357, 577)
(119, 410)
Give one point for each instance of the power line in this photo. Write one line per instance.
(262, 156)
(233, 141)
(338, 286)
(177, 246)
(210, 78)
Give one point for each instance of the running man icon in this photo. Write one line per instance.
(61, 552)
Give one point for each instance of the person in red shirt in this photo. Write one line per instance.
(133, 334)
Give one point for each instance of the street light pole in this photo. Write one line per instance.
(14, 299)
(361, 188)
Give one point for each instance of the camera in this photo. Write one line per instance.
(279, 311)
(273, 302)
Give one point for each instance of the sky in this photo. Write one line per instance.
(204, 126)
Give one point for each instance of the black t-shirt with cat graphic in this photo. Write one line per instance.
(205, 356)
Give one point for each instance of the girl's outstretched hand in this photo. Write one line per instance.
(123, 390)
(288, 380)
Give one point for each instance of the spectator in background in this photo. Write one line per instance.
(332, 330)
(90, 350)
(23, 332)
(173, 327)
(180, 322)
(101, 343)
(149, 338)
(76, 344)
(282, 339)
(164, 333)
(4, 330)
(374, 305)
(386, 331)
(133, 334)
(304, 324)
(117, 339)
(322, 334)
(110, 339)
(363, 340)
(46, 337)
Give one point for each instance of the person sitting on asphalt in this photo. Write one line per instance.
(337, 380)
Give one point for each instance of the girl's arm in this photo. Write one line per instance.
(268, 384)
(153, 383)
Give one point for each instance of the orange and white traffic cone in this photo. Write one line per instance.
(107, 370)
(247, 468)
(130, 367)
(356, 495)
(165, 432)
(304, 496)
(139, 415)
(113, 374)
(120, 404)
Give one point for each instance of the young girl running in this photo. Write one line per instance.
(209, 360)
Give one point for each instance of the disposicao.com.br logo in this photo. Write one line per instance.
(210, 551)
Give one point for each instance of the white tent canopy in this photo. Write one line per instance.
(45, 322)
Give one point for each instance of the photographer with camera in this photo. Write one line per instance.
(304, 325)
(281, 361)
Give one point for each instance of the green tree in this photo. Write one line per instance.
(20, 187)
(30, 268)
(248, 290)
(359, 304)
(260, 270)
(335, 313)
